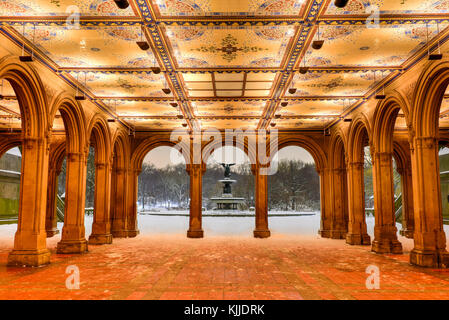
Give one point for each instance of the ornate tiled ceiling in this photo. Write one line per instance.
(227, 64)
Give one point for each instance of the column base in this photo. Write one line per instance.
(28, 258)
(358, 239)
(262, 233)
(429, 258)
(406, 233)
(195, 233)
(119, 233)
(324, 233)
(72, 246)
(52, 232)
(132, 233)
(338, 234)
(387, 246)
(98, 239)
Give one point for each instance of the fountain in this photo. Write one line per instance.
(227, 201)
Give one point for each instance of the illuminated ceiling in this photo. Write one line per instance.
(228, 64)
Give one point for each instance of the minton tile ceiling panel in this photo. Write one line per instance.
(61, 8)
(229, 123)
(122, 84)
(257, 47)
(155, 124)
(228, 108)
(358, 46)
(335, 84)
(315, 107)
(125, 108)
(229, 7)
(391, 7)
(300, 123)
(90, 46)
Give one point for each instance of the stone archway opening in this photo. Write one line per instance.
(294, 193)
(163, 192)
(228, 210)
(10, 172)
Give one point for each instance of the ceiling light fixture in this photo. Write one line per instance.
(143, 45)
(433, 56)
(292, 89)
(304, 69)
(166, 89)
(284, 104)
(318, 44)
(79, 97)
(273, 124)
(23, 57)
(341, 3)
(380, 96)
(174, 104)
(155, 69)
(122, 4)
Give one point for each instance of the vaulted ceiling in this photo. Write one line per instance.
(228, 64)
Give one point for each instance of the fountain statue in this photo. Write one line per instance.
(227, 201)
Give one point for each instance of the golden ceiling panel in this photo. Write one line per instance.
(91, 46)
(335, 84)
(229, 123)
(155, 124)
(315, 107)
(390, 7)
(125, 108)
(236, 47)
(61, 8)
(229, 108)
(123, 84)
(229, 7)
(357, 45)
(300, 123)
(7, 105)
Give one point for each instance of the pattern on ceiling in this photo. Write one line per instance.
(228, 64)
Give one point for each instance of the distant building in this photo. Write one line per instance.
(10, 167)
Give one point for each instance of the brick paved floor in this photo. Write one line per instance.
(223, 267)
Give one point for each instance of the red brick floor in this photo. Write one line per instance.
(174, 267)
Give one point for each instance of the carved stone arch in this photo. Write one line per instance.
(74, 121)
(316, 151)
(149, 144)
(99, 135)
(245, 147)
(356, 139)
(9, 142)
(337, 149)
(120, 148)
(30, 94)
(384, 121)
(429, 92)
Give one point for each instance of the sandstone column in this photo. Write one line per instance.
(339, 226)
(118, 203)
(30, 239)
(101, 227)
(52, 190)
(408, 222)
(325, 203)
(261, 201)
(385, 231)
(132, 180)
(73, 232)
(195, 172)
(357, 234)
(429, 236)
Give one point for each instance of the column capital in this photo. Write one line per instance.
(75, 156)
(425, 142)
(356, 164)
(195, 168)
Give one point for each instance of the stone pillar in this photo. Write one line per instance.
(118, 203)
(52, 189)
(429, 236)
(385, 231)
(101, 227)
(261, 202)
(195, 172)
(339, 226)
(325, 203)
(357, 234)
(73, 238)
(132, 179)
(408, 222)
(30, 239)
